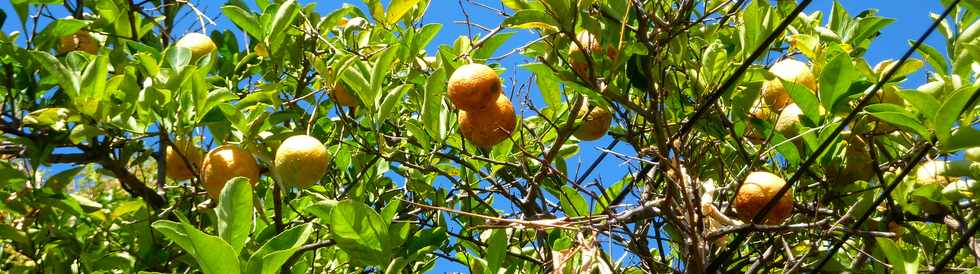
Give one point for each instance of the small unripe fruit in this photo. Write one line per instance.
(595, 123)
(224, 163)
(488, 126)
(177, 168)
(300, 161)
(342, 97)
(199, 44)
(773, 91)
(81, 40)
(756, 191)
(261, 50)
(972, 154)
(474, 86)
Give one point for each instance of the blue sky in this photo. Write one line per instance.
(912, 19)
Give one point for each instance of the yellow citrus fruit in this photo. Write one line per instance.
(473, 86)
(342, 97)
(177, 168)
(788, 119)
(488, 126)
(80, 40)
(261, 50)
(773, 91)
(940, 172)
(224, 163)
(595, 123)
(758, 189)
(198, 43)
(301, 161)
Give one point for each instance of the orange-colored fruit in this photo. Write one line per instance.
(758, 189)
(473, 87)
(488, 126)
(80, 40)
(773, 91)
(177, 168)
(198, 43)
(576, 54)
(224, 163)
(342, 97)
(595, 123)
(856, 163)
(301, 161)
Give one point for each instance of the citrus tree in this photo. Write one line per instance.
(750, 136)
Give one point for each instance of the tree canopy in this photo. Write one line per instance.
(747, 136)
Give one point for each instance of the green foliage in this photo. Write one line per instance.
(84, 191)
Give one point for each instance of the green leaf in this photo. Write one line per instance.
(64, 27)
(572, 203)
(9, 175)
(531, 19)
(934, 58)
(274, 253)
(175, 232)
(82, 132)
(244, 20)
(805, 99)
(835, 80)
(93, 88)
(390, 102)
(950, 111)
(213, 254)
(359, 231)
(491, 45)
(962, 138)
(56, 118)
(897, 258)
(433, 112)
(496, 250)
(397, 9)
(66, 80)
(235, 212)
(924, 103)
(321, 209)
(276, 31)
(380, 72)
(896, 115)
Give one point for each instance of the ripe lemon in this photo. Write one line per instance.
(595, 123)
(177, 168)
(756, 191)
(301, 161)
(788, 119)
(198, 43)
(226, 162)
(488, 126)
(773, 91)
(80, 40)
(342, 97)
(473, 86)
